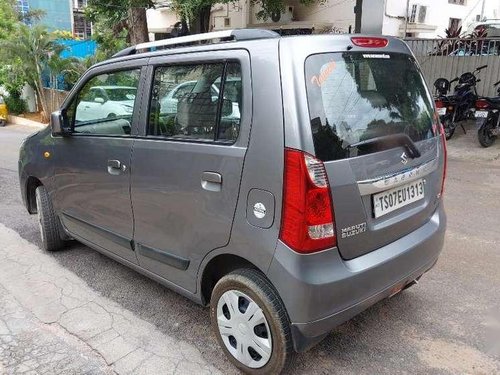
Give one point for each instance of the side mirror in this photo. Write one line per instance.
(57, 124)
(99, 100)
(227, 108)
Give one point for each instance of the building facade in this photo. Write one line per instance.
(412, 18)
(62, 15)
(426, 18)
(82, 28)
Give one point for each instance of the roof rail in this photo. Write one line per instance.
(225, 35)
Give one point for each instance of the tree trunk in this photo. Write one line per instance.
(40, 94)
(137, 26)
(201, 22)
(41, 102)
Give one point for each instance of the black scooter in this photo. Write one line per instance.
(488, 118)
(460, 106)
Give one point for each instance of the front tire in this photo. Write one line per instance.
(251, 323)
(484, 135)
(50, 227)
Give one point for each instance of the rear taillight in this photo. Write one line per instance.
(482, 104)
(445, 156)
(307, 223)
(440, 108)
(370, 42)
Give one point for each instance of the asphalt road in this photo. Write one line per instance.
(448, 324)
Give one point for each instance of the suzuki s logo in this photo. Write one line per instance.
(404, 158)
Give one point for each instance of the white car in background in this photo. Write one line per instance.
(168, 104)
(103, 102)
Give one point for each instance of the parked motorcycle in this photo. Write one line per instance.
(488, 118)
(461, 105)
(444, 104)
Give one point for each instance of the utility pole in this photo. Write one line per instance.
(407, 16)
(358, 10)
(482, 10)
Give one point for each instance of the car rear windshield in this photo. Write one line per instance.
(355, 97)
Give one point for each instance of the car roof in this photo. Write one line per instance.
(256, 45)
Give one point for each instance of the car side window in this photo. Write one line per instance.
(186, 102)
(105, 104)
(229, 127)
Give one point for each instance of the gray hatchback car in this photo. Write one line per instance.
(295, 181)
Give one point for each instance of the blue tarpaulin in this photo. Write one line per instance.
(74, 48)
(78, 48)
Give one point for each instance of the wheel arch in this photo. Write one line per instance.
(31, 184)
(216, 268)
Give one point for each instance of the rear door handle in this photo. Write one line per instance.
(211, 181)
(116, 167)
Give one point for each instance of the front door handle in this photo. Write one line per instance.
(116, 167)
(211, 181)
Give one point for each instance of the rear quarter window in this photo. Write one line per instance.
(354, 97)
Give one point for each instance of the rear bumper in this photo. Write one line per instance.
(321, 291)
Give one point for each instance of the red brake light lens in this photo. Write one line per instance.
(439, 104)
(370, 42)
(307, 223)
(482, 104)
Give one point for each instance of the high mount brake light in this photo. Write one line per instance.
(370, 42)
(307, 223)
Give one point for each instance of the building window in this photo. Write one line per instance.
(458, 2)
(79, 4)
(82, 28)
(454, 23)
(227, 22)
(23, 7)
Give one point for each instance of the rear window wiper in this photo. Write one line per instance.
(387, 142)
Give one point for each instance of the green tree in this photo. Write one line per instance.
(12, 77)
(119, 15)
(8, 18)
(30, 49)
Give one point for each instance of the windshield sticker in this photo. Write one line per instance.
(323, 76)
(376, 56)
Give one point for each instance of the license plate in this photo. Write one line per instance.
(441, 111)
(391, 200)
(481, 114)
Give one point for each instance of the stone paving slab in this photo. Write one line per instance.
(51, 322)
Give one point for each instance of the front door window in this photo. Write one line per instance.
(105, 105)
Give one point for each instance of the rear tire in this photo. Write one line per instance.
(260, 343)
(484, 136)
(51, 230)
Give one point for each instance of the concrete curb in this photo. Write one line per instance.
(24, 121)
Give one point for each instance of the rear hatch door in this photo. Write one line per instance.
(374, 127)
